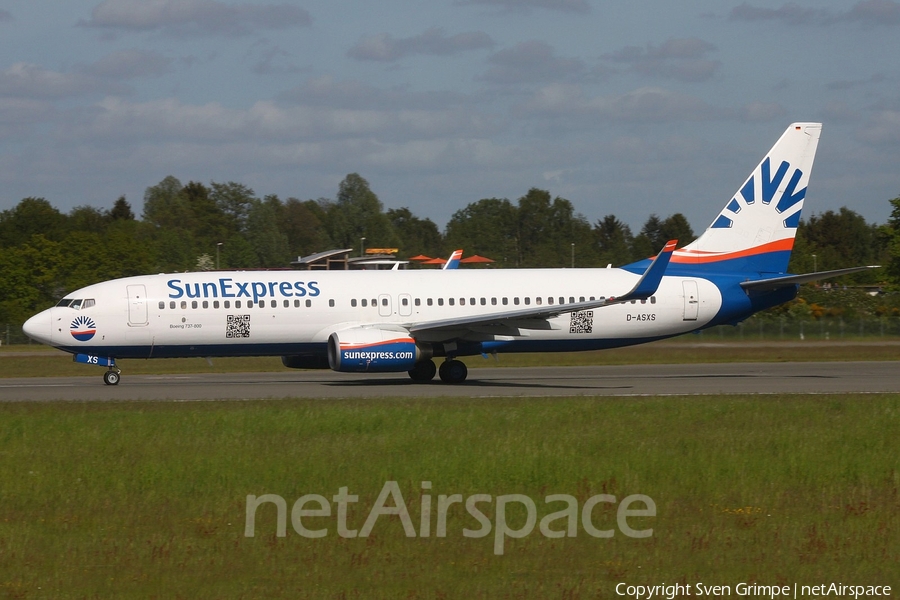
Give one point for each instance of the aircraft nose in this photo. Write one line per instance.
(39, 327)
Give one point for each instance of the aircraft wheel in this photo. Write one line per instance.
(111, 378)
(453, 371)
(423, 371)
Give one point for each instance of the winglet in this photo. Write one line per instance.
(649, 281)
(453, 261)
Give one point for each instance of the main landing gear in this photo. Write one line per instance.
(451, 371)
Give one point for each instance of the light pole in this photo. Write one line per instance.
(218, 246)
(362, 246)
(573, 255)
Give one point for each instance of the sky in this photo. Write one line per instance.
(625, 108)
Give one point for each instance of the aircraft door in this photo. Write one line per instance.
(384, 305)
(137, 305)
(691, 300)
(405, 305)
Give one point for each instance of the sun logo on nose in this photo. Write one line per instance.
(83, 328)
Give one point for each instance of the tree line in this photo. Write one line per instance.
(45, 253)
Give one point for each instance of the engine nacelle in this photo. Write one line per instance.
(370, 350)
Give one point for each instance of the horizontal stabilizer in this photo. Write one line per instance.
(774, 283)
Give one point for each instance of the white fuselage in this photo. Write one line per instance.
(293, 312)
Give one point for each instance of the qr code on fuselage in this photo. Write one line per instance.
(237, 326)
(582, 322)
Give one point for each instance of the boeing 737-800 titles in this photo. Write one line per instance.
(393, 321)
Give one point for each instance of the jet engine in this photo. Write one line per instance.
(371, 350)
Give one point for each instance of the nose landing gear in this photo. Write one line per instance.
(111, 377)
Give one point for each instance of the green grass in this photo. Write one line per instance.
(40, 361)
(148, 499)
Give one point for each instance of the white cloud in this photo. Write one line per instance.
(530, 62)
(576, 6)
(682, 59)
(385, 48)
(130, 64)
(184, 18)
(26, 80)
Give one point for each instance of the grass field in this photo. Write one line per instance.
(38, 361)
(149, 499)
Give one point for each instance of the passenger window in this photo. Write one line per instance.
(249, 304)
(563, 300)
(549, 300)
(462, 301)
(527, 301)
(643, 301)
(404, 301)
(215, 304)
(353, 303)
(450, 301)
(296, 303)
(516, 301)
(652, 299)
(418, 302)
(331, 303)
(581, 298)
(472, 301)
(237, 303)
(193, 304)
(493, 302)
(537, 301)
(227, 304)
(429, 302)
(505, 301)
(440, 301)
(206, 304)
(384, 301)
(162, 305)
(364, 302)
(308, 303)
(287, 303)
(183, 304)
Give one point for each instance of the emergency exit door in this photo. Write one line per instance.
(691, 300)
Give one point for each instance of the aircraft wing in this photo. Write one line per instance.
(644, 288)
(774, 283)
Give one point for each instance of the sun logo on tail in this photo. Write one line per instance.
(83, 328)
(765, 190)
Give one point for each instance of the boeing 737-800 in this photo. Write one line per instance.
(394, 321)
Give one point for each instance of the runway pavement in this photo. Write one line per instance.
(632, 380)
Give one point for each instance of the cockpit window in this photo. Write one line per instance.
(77, 303)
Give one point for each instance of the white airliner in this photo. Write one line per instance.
(394, 321)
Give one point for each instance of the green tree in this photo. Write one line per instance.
(357, 213)
(614, 240)
(264, 233)
(487, 227)
(417, 236)
(31, 216)
(304, 225)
